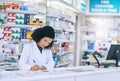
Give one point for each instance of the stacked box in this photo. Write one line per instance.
(1, 33)
(8, 33)
(2, 7)
(27, 19)
(28, 34)
(11, 6)
(36, 21)
(19, 19)
(16, 33)
(23, 33)
(11, 17)
(1, 47)
(24, 8)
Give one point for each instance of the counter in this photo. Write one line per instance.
(79, 73)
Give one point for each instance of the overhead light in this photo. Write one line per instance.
(61, 5)
(28, 1)
(32, 1)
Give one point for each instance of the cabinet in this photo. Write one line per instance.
(17, 21)
(99, 77)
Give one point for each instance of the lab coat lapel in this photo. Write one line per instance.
(36, 49)
(36, 52)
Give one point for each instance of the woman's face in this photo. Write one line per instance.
(45, 41)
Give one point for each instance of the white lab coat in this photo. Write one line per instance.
(31, 55)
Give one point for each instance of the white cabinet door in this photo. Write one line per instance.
(57, 79)
(110, 76)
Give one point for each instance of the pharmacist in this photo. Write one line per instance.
(37, 55)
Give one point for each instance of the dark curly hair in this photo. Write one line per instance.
(45, 31)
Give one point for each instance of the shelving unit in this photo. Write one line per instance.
(98, 36)
(19, 19)
(64, 25)
(63, 21)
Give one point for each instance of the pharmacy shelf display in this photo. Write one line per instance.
(17, 21)
(98, 36)
(64, 26)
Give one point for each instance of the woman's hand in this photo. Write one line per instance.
(43, 68)
(35, 68)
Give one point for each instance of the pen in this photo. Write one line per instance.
(34, 61)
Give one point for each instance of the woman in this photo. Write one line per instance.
(37, 55)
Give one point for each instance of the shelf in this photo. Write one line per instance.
(72, 31)
(23, 12)
(20, 26)
(67, 30)
(64, 53)
(63, 64)
(3, 54)
(63, 40)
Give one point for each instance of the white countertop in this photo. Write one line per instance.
(57, 73)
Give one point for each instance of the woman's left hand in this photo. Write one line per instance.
(43, 68)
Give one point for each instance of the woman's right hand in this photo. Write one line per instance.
(35, 68)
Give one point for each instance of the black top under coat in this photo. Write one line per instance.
(40, 48)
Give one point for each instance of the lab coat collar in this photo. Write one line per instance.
(35, 44)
